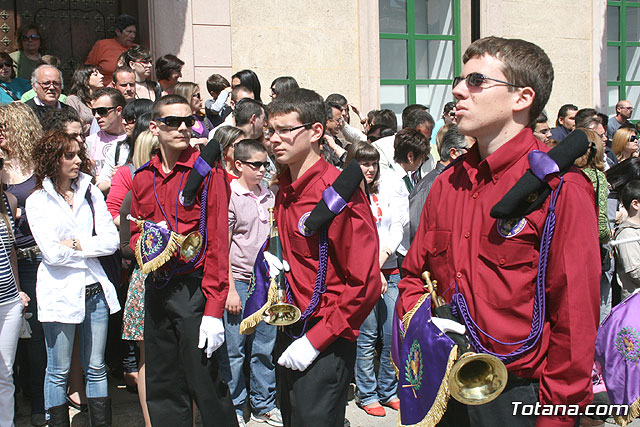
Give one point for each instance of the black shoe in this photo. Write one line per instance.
(59, 416)
(82, 407)
(38, 420)
(99, 411)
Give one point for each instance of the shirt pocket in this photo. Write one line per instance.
(506, 272)
(439, 262)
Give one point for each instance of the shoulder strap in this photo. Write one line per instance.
(87, 196)
(8, 91)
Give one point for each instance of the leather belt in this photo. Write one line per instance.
(93, 290)
(30, 253)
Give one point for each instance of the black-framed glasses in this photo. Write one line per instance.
(175, 121)
(31, 37)
(144, 62)
(257, 165)
(196, 95)
(130, 120)
(477, 79)
(45, 85)
(268, 133)
(7, 64)
(102, 111)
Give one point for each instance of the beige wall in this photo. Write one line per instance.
(571, 36)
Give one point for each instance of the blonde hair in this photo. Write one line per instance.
(185, 90)
(22, 131)
(620, 139)
(146, 144)
(596, 161)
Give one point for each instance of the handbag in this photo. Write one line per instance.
(111, 264)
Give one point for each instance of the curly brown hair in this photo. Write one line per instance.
(47, 155)
(21, 130)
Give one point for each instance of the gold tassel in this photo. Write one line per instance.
(248, 325)
(634, 411)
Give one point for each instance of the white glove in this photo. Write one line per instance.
(275, 265)
(299, 355)
(447, 325)
(211, 334)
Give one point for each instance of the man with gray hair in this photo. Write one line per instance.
(46, 81)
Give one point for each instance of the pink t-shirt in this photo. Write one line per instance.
(121, 184)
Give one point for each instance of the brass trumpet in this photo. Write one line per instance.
(280, 313)
(190, 245)
(475, 378)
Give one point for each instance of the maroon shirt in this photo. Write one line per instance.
(215, 282)
(353, 274)
(459, 243)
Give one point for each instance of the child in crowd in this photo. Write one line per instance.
(217, 107)
(628, 254)
(248, 229)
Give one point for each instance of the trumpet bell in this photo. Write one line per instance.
(281, 314)
(190, 246)
(477, 378)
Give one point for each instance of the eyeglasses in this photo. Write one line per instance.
(102, 111)
(70, 155)
(257, 165)
(31, 37)
(7, 64)
(45, 85)
(175, 121)
(626, 108)
(269, 132)
(633, 138)
(196, 95)
(130, 121)
(338, 120)
(146, 62)
(477, 79)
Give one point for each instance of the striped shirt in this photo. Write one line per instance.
(8, 288)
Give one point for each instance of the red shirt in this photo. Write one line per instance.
(215, 282)
(120, 185)
(104, 54)
(353, 274)
(459, 243)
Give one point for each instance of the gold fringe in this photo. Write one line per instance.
(406, 319)
(172, 246)
(634, 411)
(439, 406)
(248, 325)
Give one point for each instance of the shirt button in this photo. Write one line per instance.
(435, 249)
(501, 261)
(475, 195)
(495, 177)
(458, 275)
(467, 234)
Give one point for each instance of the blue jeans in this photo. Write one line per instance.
(93, 339)
(379, 323)
(259, 348)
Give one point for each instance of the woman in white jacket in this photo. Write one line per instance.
(72, 287)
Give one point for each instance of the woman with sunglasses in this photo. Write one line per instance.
(11, 87)
(30, 46)
(373, 393)
(71, 225)
(85, 81)
(139, 59)
(200, 129)
(625, 143)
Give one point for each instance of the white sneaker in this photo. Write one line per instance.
(273, 418)
(241, 422)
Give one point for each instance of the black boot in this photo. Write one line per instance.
(59, 416)
(99, 411)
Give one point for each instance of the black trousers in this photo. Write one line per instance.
(177, 371)
(316, 397)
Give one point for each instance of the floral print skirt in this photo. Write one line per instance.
(133, 316)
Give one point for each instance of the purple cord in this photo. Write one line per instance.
(459, 304)
(320, 287)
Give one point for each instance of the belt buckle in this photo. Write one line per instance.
(161, 276)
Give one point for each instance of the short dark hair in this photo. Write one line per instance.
(564, 111)
(410, 109)
(383, 130)
(329, 108)
(167, 64)
(239, 88)
(121, 69)
(448, 107)
(542, 118)
(306, 103)
(167, 100)
(135, 108)
(245, 109)
(619, 174)
(137, 53)
(336, 98)
(416, 118)
(587, 118)
(56, 120)
(452, 139)
(283, 84)
(244, 149)
(409, 141)
(124, 21)
(629, 193)
(385, 117)
(524, 64)
(364, 152)
(217, 83)
(116, 97)
(249, 79)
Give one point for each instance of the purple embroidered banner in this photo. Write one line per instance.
(259, 287)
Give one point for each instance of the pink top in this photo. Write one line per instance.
(121, 184)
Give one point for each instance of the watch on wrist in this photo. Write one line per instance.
(74, 244)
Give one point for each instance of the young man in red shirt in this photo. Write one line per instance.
(316, 355)
(184, 302)
(493, 264)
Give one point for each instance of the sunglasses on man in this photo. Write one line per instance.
(175, 121)
(102, 111)
(257, 165)
(477, 80)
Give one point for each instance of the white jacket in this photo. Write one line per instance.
(62, 275)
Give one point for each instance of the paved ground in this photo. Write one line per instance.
(126, 413)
